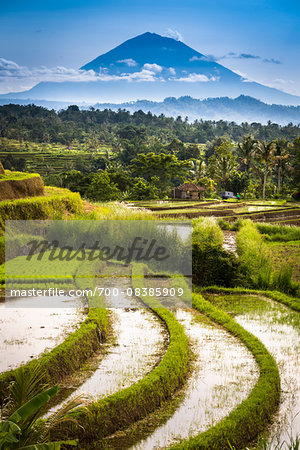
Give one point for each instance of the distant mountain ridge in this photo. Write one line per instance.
(240, 109)
(154, 67)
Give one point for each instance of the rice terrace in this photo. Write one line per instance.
(150, 360)
(149, 225)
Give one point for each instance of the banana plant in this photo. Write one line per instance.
(25, 428)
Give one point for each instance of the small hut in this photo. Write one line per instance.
(188, 191)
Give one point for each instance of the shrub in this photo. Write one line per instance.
(143, 190)
(101, 188)
(213, 265)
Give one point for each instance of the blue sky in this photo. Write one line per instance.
(42, 40)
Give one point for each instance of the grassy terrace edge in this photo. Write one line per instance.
(250, 418)
(120, 410)
(40, 208)
(17, 176)
(291, 302)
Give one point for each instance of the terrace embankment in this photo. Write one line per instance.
(232, 212)
(11, 189)
(278, 328)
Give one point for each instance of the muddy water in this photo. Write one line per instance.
(279, 330)
(140, 340)
(229, 241)
(27, 332)
(217, 385)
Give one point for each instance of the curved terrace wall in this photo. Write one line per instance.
(11, 189)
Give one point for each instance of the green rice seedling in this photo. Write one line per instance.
(279, 233)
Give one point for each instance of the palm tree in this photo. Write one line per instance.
(265, 156)
(246, 150)
(24, 426)
(281, 156)
(222, 165)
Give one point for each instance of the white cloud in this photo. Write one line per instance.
(210, 58)
(153, 67)
(196, 78)
(144, 75)
(173, 34)
(282, 81)
(129, 62)
(172, 71)
(282, 84)
(16, 78)
(195, 58)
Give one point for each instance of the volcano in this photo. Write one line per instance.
(152, 67)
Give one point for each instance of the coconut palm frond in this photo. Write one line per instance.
(66, 412)
(27, 384)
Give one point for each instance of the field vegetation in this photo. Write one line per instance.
(106, 166)
(107, 155)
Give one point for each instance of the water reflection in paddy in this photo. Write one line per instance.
(223, 376)
(140, 339)
(25, 332)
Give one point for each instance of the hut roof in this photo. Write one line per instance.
(190, 187)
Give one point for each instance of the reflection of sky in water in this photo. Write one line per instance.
(274, 328)
(62, 301)
(183, 230)
(216, 386)
(25, 332)
(140, 339)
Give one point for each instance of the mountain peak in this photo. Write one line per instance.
(155, 67)
(148, 48)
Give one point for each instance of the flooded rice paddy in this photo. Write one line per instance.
(278, 328)
(216, 386)
(26, 332)
(140, 339)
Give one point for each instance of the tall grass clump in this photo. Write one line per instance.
(255, 258)
(207, 231)
(279, 233)
(225, 225)
(118, 211)
(40, 208)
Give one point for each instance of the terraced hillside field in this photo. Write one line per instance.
(45, 158)
(214, 369)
